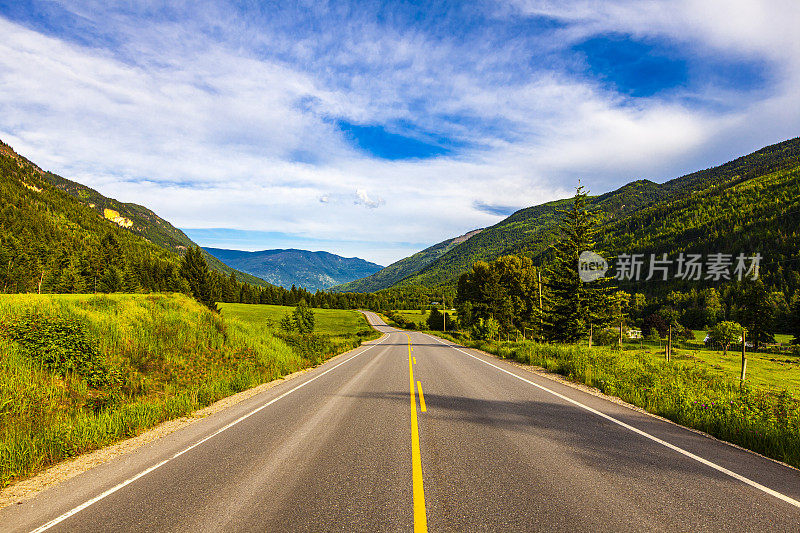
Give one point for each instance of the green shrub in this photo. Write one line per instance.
(61, 345)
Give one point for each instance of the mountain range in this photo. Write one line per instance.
(300, 268)
(748, 205)
(400, 270)
(59, 235)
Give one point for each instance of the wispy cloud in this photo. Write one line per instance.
(267, 118)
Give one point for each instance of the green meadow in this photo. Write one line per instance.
(417, 316)
(770, 369)
(78, 372)
(328, 321)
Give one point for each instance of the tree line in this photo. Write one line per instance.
(512, 296)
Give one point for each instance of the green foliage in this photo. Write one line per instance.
(303, 318)
(435, 320)
(605, 337)
(726, 333)
(195, 271)
(794, 320)
(287, 323)
(485, 329)
(574, 305)
(755, 310)
(61, 345)
(163, 356)
(505, 290)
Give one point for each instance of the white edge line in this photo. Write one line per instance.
(156, 466)
(771, 492)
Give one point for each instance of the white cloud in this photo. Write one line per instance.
(362, 198)
(238, 131)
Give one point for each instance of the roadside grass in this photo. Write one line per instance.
(691, 394)
(78, 372)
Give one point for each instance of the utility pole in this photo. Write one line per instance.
(620, 333)
(744, 356)
(539, 271)
(669, 343)
(444, 315)
(590, 335)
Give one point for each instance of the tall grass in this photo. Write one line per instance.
(169, 356)
(767, 422)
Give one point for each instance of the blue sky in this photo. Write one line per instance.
(374, 129)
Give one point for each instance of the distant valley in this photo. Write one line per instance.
(301, 268)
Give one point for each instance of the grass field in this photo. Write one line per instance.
(328, 321)
(417, 316)
(78, 372)
(764, 370)
(771, 371)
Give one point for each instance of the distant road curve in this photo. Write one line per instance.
(410, 432)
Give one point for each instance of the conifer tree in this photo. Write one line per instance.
(303, 317)
(574, 305)
(195, 270)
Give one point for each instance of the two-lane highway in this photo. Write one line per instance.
(411, 432)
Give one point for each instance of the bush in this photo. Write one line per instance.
(606, 337)
(485, 329)
(62, 346)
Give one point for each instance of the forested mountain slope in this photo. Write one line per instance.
(408, 266)
(130, 217)
(301, 268)
(746, 205)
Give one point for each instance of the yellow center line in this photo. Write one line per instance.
(421, 397)
(420, 516)
(415, 360)
(410, 347)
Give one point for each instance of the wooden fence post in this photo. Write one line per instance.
(744, 356)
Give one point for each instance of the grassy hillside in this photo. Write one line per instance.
(48, 219)
(301, 268)
(746, 205)
(760, 213)
(138, 219)
(404, 268)
(49, 237)
(78, 372)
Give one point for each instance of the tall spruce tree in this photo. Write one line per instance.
(574, 306)
(195, 270)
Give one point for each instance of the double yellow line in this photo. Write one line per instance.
(420, 515)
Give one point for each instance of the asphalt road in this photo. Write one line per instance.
(348, 447)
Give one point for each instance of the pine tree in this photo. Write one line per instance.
(574, 305)
(195, 270)
(303, 317)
